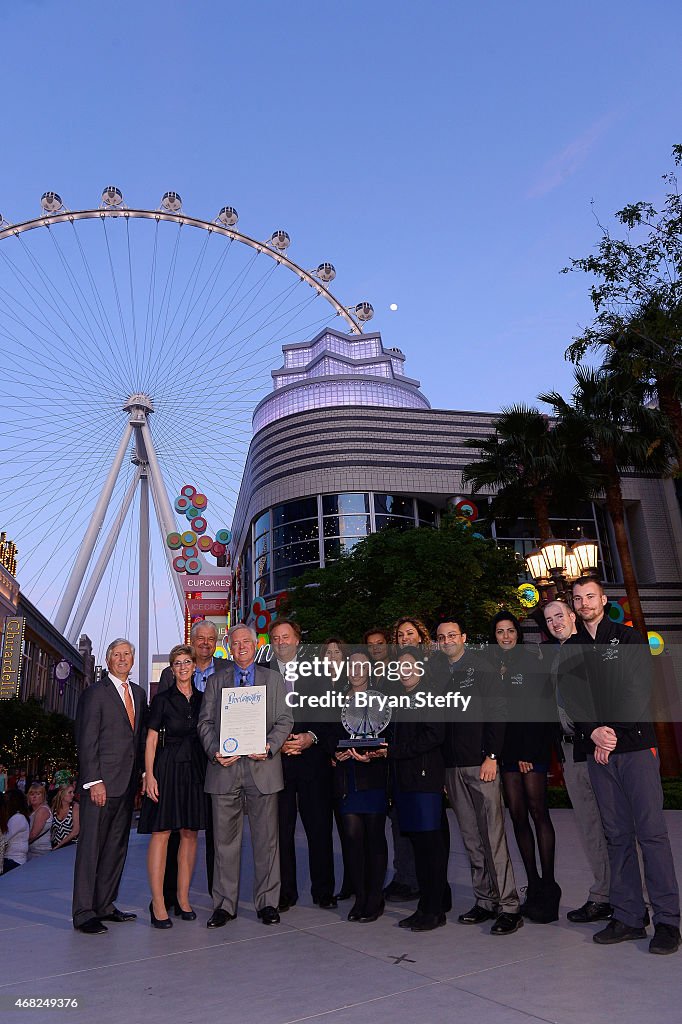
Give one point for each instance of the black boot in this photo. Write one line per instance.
(546, 907)
(533, 894)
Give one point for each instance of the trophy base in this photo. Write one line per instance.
(361, 743)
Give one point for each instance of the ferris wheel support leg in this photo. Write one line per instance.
(143, 589)
(101, 564)
(91, 535)
(162, 506)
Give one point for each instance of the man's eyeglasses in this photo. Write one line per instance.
(443, 637)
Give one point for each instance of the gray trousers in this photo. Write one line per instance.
(479, 811)
(588, 822)
(228, 824)
(630, 797)
(101, 853)
(404, 870)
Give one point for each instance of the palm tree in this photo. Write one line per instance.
(616, 432)
(530, 464)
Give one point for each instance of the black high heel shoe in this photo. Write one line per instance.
(355, 912)
(186, 915)
(546, 907)
(155, 921)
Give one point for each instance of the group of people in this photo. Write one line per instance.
(31, 826)
(515, 704)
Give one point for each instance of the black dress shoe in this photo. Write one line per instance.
(396, 892)
(118, 916)
(269, 915)
(589, 912)
(407, 922)
(219, 918)
(92, 927)
(428, 922)
(616, 931)
(367, 918)
(326, 902)
(477, 915)
(666, 939)
(285, 903)
(506, 924)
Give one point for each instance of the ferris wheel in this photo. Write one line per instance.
(135, 343)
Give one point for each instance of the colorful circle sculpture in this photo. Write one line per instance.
(258, 605)
(656, 643)
(478, 536)
(189, 538)
(199, 525)
(191, 552)
(200, 501)
(205, 543)
(181, 504)
(615, 611)
(263, 621)
(192, 504)
(188, 491)
(191, 512)
(174, 541)
(193, 566)
(179, 564)
(220, 652)
(529, 595)
(466, 510)
(280, 599)
(223, 536)
(218, 549)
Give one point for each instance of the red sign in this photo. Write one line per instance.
(202, 606)
(206, 584)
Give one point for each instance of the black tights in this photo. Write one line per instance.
(526, 793)
(431, 863)
(366, 859)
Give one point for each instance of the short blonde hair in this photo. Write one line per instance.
(182, 649)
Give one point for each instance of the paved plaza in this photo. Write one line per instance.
(315, 965)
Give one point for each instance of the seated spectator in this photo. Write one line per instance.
(14, 827)
(66, 817)
(40, 821)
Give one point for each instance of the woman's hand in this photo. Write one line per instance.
(381, 751)
(342, 755)
(358, 756)
(525, 767)
(152, 788)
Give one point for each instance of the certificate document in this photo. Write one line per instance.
(242, 720)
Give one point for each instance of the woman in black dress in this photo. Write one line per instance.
(526, 754)
(174, 800)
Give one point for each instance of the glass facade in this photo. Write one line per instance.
(325, 394)
(297, 536)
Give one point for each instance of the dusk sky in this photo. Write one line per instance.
(450, 158)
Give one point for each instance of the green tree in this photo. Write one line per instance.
(637, 298)
(423, 572)
(531, 465)
(615, 432)
(30, 735)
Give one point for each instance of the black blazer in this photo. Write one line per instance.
(415, 749)
(108, 749)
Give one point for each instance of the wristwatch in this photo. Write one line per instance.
(493, 757)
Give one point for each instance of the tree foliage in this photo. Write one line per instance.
(431, 574)
(29, 734)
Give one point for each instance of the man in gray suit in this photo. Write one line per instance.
(110, 735)
(254, 780)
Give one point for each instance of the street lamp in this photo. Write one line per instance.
(587, 555)
(553, 565)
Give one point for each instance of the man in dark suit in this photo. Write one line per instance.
(307, 785)
(252, 780)
(204, 639)
(110, 735)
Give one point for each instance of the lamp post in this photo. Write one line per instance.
(552, 566)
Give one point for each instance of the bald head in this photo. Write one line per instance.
(560, 620)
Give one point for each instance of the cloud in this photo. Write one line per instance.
(567, 161)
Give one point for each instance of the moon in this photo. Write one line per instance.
(393, 306)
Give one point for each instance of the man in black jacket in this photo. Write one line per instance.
(307, 783)
(472, 747)
(625, 775)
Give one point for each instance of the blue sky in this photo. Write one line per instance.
(444, 156)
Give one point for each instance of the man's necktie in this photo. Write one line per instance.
(244, 679)
(130, 707)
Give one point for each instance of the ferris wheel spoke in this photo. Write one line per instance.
(119, 307)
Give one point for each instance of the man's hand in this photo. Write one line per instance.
(225, 761)
(342, 755)
(605, 738)
(601, 754)
(98, 794)
(525, 767)
(297, 743)
(488, 771)
(261, 757)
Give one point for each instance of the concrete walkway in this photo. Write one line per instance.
(315, 965)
